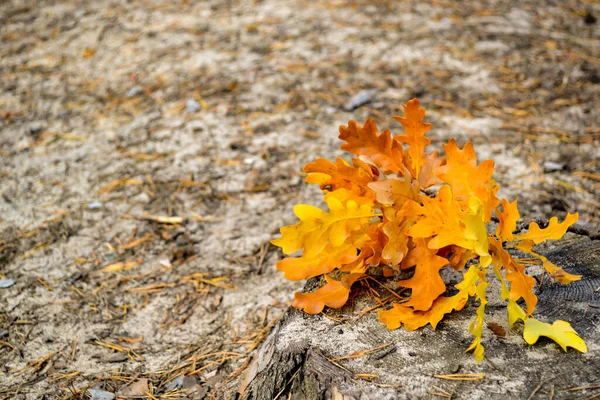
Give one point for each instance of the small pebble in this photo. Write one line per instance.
(94, 205)
(192, 106)
(550, 166)
(361, 98)
(175, 383)
(97, 394)
(5, 283)
(134, 91)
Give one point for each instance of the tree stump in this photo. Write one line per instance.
(298, 360)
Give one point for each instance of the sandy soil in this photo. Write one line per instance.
(150, 150)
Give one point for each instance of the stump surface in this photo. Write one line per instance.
(294, 361)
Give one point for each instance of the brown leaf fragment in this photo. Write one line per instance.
(137, 388)
(497, 329)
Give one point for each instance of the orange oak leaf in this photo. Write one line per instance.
(467, 178)
(437, 213)
(385, 152)
(508, 220)
(449, 225)
(521, 285)
(395, 191)
(411, 319)
(330, 258)
(394, 228)
(334, 294)
(426, 283)
(427, 177)
(554, 231)
(332, 176)
(557, 272)
(415, 130)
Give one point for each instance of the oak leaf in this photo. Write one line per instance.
(476, 327)
(554, 231)
(468, 179)
(411, 319)
(330, 258)
(521, 285)
(426, 283)
(365, 140)
(415, 130)
(317, 228)
(427, 177)
(395, 225)
(560, 331)
(395, 191)
(334, 294)
(332, 176)
(508, 220)
(557, 273)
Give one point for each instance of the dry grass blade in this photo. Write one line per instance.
(574, 389)
(121, 349)
(461, 377)
(162, 219)
(137, 242)
(37, 364)
(117, 267)
(151, 288)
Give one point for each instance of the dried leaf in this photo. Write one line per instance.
(426, 283)
(385, 152)
(332, 176)
(508, 220)
(401, 315)
(317, 228)
(468, 179)
(557, 273)
(395, 191)
(560, 331)
(334, 294)
(415, 130)
(476, 327)
(330, 258)
(554, 231)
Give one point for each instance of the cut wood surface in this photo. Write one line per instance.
(323, 357)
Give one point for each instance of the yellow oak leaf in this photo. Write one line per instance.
(334, 294)
(449, 225)
(345, 195)
(317, 228)
(554, 231)
(467, 178)
(557, 273)
(411, 319)
(384, 151)
(415, 130)
(332, 176)
(560, 331)
(426, 283)
(476, 327)
(330, 258)
(508, 220)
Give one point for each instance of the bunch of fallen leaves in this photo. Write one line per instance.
(404, 208)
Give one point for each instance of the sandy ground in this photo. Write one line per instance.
(150, 150)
